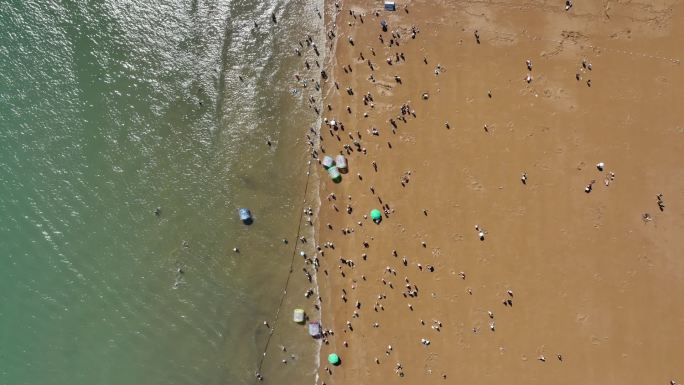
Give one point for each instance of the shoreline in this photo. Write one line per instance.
(284, 347)
(492, 258)
(328, 62)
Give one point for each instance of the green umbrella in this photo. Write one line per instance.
(376, 215)
(334, 359)
(334, 174)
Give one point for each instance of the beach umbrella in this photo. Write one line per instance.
(334, 174)
(327, 162)
(333, 359)
(376, 215)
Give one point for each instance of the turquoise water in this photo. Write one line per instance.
(109, 110)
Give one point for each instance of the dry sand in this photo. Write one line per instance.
(591, 279)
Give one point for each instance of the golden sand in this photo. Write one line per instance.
(583, 288)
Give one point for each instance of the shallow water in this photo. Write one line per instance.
(109, 110)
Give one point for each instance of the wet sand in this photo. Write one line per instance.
(583, 287)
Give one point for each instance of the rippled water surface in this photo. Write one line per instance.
(108, 110)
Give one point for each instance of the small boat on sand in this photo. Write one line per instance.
(315, 329)
(245, 215)
(341, 163)
(298, 316)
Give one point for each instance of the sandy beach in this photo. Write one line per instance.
(517, 151)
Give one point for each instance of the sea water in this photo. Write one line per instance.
(130, 134)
